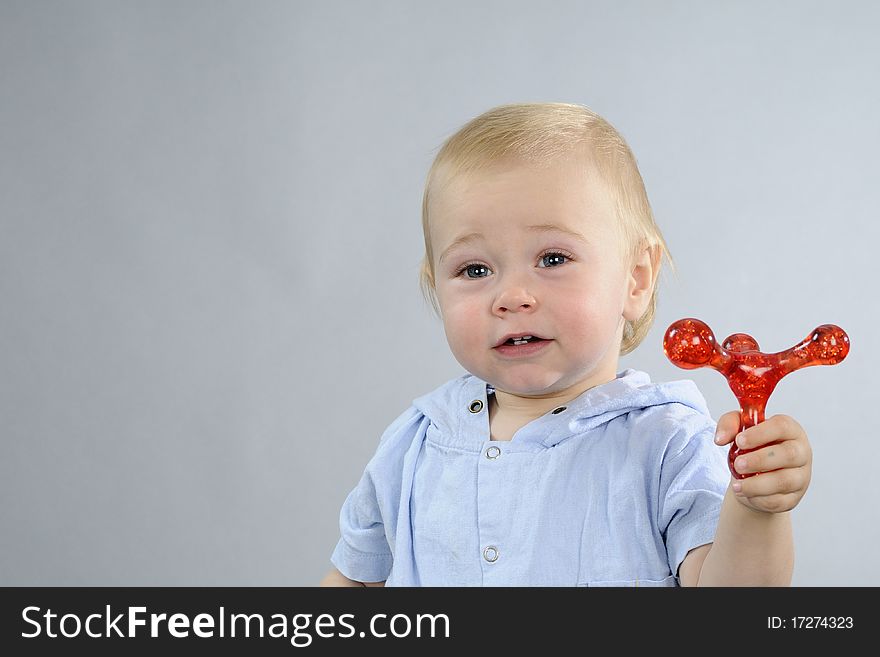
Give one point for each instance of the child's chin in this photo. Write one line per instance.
(529, 386)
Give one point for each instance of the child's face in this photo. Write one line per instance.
(515, 279)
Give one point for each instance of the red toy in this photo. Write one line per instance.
(751, 374)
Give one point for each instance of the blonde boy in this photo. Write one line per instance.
(544, 465)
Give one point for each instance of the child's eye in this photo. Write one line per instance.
(478, 270)
(553, 259)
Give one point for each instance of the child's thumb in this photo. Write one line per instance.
(728, 428)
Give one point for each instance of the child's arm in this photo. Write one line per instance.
(753, 543)
(335, 578)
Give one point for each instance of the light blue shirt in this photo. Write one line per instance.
(612, 489)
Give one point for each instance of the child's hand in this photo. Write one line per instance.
(784, 468)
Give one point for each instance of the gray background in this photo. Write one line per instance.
(210, 239)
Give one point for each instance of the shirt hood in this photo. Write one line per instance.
(459, 408)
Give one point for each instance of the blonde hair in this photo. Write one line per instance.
(539, 133)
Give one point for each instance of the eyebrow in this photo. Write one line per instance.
(537, 228)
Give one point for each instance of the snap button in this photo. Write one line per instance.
(493, 453)
(556, 411)
(476, 406)
(490, 554)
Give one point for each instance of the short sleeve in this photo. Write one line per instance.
(362, 553)
(366, 521)
(692, 485)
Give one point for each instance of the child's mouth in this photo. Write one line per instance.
(522, 346)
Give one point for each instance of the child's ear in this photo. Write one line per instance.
(640, 282)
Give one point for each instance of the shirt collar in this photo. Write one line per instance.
(459, 410)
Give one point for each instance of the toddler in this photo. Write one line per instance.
(544, 465)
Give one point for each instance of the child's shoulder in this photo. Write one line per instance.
(437, 404)
(409, 428)
(669, 412)
(679, 429)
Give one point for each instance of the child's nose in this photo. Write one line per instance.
(514, 299)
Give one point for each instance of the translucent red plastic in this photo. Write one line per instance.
(751, 374)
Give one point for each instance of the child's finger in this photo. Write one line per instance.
(776, 503)
(774, 429)
(778, 482)
(728, 427)
(787, 454)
